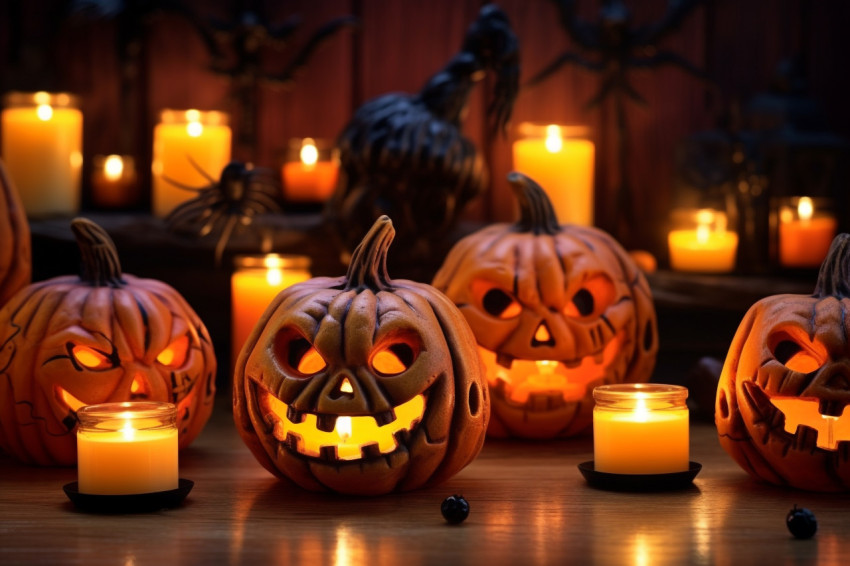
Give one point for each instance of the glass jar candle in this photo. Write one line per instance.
(640, 428)
(114, 182)
(700, 241)
(127, 448)
(805, 230)
(310, 171)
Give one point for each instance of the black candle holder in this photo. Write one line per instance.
(639, 482)
(132, 503)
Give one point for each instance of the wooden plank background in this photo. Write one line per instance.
(398, 44)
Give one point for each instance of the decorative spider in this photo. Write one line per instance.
(233, 201)
(619, 48)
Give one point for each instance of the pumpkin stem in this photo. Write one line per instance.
(834, 275)
(100, 265)
(368, 267)
(536, 212)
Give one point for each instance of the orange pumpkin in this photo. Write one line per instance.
(361, 384)
(556, 310)
(101, 337)
(15, 252)
(782, 399)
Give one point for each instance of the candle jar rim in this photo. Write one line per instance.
(632, 391)
(272, 261)
(90, 415)
(326, 149)
(28, 99)
(205, 117)
(539, 130)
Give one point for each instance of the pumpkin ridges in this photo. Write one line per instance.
(834, 274)
(100, 263)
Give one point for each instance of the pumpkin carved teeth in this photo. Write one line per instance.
(342, 437)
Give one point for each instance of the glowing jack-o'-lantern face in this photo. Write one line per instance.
(556, 311)
(783, 396)
(361, 384)
(106, 337)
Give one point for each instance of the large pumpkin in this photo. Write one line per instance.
(361, 384)
(556, 310)
(101, 337)
(15, 252)
(782, 399)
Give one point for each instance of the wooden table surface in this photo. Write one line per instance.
(529, 505)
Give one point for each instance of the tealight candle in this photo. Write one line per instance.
(114, 182)
(559, 159)
(709, 248)
(310, 172)
(257, 280)
(640, 428)
(127, 448)
(805, 234)
(42, 137)
(190, 148)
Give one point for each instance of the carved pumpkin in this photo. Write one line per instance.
(361, 384)
(556, 310)
(101, 337)
(782, 399)
(15, 252)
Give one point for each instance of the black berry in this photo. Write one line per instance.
(801, 522)
(455, 509)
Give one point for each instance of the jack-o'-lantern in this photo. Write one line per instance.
(556, 311)
(102, 337)
(784, 391)
(15, 254)
(361, 384)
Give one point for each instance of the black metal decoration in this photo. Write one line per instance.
(619, 48)
(225, 205)
(246, 40)
(404, 155)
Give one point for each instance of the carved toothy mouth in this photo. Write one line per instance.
(547, 385)
(799, 421)
(342, 437)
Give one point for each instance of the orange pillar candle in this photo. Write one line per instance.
(127, 448)
(560, 159)
(257, 280)
(310, 172)
(190, 147)
(804, 234)
(640, 428)
(708, 248)
(42, 137)
(114, 183)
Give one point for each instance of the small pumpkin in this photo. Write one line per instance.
(15, 251)
(556, 311)
(101, 337)
(361, 384)
(782, 400)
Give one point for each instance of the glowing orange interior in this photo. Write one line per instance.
(175, 353)
(90, 358)
(799, 411)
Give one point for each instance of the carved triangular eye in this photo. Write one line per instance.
(311, 362)
(174, 355)
(804, 358)
(90, 358)
(393, 359)
(297, 354)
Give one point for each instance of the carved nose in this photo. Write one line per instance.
(140, 388)
(542, 336)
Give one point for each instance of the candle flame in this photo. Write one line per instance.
(274, 276)
(554, 143)
(44, 112)
(113, 167)
(194, 129)
(702, 233)
(641, 412)
(128, 431)
(805, 208)
(309, 153)
(546, 367)
(343, 428)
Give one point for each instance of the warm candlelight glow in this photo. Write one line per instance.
(707, 248)
(805, 208)
(309, 154)
(554, 142)
(805, 234)
(640, 429)
(44, 112)
(114, 182)
(113, 167)
(310, 172)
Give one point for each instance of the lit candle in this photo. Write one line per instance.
(254, 283)
(804, 237)
(127, 448)
(640, 428)
(42, 146)
(559, 159)
(114, 181)
(189, 148)
(310, 172)
(709, 248)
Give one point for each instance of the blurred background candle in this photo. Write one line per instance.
(707, 247)
(114, 182)
(187, 144)
(127, 448)
(256, 280)
(311, 170)
(805, 233)
(560, 160)
(42, 137)
(640, 428)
